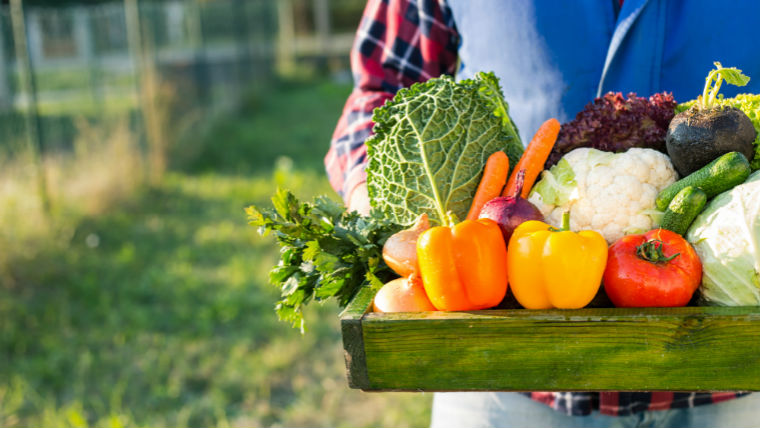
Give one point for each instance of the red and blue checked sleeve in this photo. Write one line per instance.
(398, 43)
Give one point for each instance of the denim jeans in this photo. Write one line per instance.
(508, 409)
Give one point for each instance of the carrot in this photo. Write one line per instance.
(494, 176)
(534, 157)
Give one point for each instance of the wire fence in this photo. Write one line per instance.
(149, 69)
(92, 62)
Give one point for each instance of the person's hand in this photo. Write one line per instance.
(358, 200)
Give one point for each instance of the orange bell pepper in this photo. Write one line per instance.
(555, 268)
(463, 267)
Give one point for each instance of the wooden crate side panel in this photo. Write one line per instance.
(353, 338)
(685, 349)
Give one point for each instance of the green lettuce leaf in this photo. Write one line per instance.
(430, 144)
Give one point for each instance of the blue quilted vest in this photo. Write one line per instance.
(555, 56)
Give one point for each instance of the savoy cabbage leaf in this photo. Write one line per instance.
(430, 144)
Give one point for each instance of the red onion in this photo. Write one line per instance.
(511, 211)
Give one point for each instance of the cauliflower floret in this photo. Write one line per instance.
(612, 193)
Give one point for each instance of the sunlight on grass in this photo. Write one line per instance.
(99, 173)
(154, 309)
(103, 169)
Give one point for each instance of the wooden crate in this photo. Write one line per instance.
(608, 349)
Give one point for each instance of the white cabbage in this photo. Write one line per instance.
(726, 236)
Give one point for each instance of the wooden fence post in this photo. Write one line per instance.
(148, 85)
(322, 24)
(32, 118)
(286, 35)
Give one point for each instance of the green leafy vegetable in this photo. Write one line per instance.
(614, 123)
(750, 105)
(732, 75)
(726, 235)
(557, 184)
(430, 145)
(324, 251)
(491, 92)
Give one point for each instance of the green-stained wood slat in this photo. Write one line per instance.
(672, 349)
(353, 341)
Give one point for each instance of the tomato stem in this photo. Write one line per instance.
(652, 251)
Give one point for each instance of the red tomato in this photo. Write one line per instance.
(639, 274)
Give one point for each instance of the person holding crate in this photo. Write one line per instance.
(552, 58)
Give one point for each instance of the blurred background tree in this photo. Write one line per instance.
(139, 296)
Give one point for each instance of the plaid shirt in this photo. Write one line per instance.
(398, 43)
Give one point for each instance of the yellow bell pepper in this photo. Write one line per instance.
(555, 268)
(463, 267)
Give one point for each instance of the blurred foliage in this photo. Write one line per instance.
(70, 2)
(158, 312)
(343, 12)
(279, 121)
(344, 15)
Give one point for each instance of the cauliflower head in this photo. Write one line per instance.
(611, 193)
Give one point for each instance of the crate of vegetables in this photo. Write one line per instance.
(619, 251)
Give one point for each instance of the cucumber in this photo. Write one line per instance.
(716, 177)
(683, 209)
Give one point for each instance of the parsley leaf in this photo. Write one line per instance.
(325, 252)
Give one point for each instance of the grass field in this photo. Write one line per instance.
(158, 312)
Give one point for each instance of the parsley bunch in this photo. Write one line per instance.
(325, 251)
